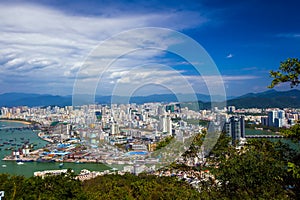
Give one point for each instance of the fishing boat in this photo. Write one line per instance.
(25, 160)
(43, 160)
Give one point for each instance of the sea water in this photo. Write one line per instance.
(8, 132)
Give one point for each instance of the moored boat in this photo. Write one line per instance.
(43, 160)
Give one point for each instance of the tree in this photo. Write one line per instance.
(289, 71)
(164, 142)
(142, 186)
(257, 172)
(293, 132)
(195, 146)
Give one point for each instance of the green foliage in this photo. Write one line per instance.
(138, 187)
(195, 147)
(164, 142)
(252, 174)
(222, 149)
(12, 186)
(104, 187)
(177, 166)
(51, 187)
(258, 171)
(293, 132)
(294, 169)
(289, 71)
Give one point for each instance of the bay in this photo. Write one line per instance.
(12, 131)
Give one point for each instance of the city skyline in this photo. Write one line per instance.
(43, 44)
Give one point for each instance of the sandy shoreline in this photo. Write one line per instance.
(14, 120)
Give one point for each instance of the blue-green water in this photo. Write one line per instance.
(258, 132)
(28, 168)
(294, 145)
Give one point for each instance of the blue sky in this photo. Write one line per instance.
(43, 44)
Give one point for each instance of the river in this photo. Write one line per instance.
(293, 145)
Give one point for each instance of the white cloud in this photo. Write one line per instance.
(215, 81)
(250, 68)
(239, 77)
(288, 35)
(229, 56)
(160, 77)
(49, 45)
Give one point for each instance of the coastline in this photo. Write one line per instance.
(15, 120)
(27, 165)
(34, 155)
(41, 135)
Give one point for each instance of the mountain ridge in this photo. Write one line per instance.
(266, 99)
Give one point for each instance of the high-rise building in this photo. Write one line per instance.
(114, 128)
(281, 114)
(160, 110)
(165, 124)
(276, 118)
(235, 127)
(264, 121)
(271, 117)
(278, 122)
(174, 107)
(231, 109)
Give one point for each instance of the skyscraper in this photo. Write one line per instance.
(264, 121)
(165, 124)
(276, 118)
(271, 117)
(235, 127)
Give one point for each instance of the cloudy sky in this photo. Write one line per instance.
(46, 44)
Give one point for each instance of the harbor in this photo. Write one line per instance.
(27, 169)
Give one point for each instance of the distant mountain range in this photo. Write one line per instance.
(19, 99)
(268, 99)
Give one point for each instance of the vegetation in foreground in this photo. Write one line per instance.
(261, 170)
(106, 187)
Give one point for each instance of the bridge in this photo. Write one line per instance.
(264, 136)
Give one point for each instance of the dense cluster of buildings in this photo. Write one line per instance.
(118, 134)
(271, 117)
(275, 118)
(128, 134)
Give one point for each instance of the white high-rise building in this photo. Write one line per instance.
(114, 129)
(276, 118)
(165, 124)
